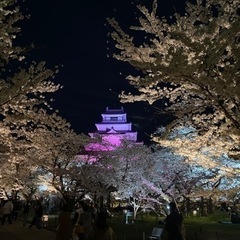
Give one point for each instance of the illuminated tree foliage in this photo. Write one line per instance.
(208, 172)
(56, 151)
(9, 15)
(190, 61)
(121, 172)
(33, 136)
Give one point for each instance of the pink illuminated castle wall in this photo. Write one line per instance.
(110, 133)
(112, 130)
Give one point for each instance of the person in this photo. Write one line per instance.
(64, 229)
(84, 220)
(235, 217)
(101, 230)
(7, 212)
(37, 218)
(77, 213)
(26, 208)
(16, 208)
(174, 224)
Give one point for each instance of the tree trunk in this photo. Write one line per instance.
(210, 205)
(101, 202)
(202, 207)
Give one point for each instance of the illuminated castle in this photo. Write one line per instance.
(112, 130)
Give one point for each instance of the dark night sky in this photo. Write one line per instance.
(73, 33)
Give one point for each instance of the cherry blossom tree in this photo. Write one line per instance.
(137, 175)
(34, 138)
(127, 168)
(44, 153)
(22, 84)
(9, 15)
(189, 61)
(218, 174)
(117, 172)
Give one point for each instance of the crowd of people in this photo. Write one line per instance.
(86, 224)
(94, 225)
(9, 210)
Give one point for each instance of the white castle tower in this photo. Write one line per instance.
(114, 122)
(112, 130)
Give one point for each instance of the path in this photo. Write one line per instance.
(17, 232)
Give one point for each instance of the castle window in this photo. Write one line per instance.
(113, 118)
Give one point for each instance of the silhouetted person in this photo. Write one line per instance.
(85, 219)
(26, 209)
(235, 217)
(101, 230)
(7, 212)
(16, 208)
(64, 229)
(174, 224)
(37, 218)
(78, 211)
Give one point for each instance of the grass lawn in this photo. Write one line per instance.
(196, 229)
(212, 231)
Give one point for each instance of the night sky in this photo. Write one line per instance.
(74, 33)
